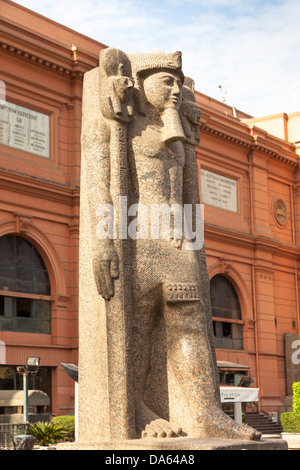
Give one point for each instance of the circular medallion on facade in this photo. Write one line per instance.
(280, 211)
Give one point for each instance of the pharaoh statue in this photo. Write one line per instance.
(146, 349)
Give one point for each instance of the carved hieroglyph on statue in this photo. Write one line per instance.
(147, 365)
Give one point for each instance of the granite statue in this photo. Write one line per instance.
(147, 363)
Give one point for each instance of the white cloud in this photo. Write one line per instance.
(251, 48)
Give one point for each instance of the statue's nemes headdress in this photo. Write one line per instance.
(143, 64)
(147, 63)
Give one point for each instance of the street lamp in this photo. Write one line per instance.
(31, 367)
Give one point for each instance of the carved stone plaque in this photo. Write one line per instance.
(219, 191)
(280, 211)
(24, 129)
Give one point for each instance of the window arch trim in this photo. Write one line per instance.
(237, 318)
(226, 270)
(23, 269)
(45, 249)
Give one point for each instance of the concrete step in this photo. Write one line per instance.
(262, 423)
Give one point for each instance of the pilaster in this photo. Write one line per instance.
(267, 334)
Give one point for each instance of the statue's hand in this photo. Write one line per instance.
(106, 269)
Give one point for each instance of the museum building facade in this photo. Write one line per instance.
(249, 184)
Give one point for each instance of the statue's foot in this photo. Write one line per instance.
(215, 423)
(160, 428)
(149, 425)
(177, 242)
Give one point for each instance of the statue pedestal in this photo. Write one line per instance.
(178, 444)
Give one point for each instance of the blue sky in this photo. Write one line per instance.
(251, 47)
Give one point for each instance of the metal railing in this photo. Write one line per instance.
(7, 430)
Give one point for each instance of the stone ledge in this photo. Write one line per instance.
(180, 443)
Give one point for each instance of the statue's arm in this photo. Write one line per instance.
(190, 190)
(191, 195)
(96, 156)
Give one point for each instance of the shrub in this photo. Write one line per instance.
(46, 433)
(290, 422)
(68, 424)
(296, 398)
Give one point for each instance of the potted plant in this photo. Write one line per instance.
(290, 421)
(47, 434)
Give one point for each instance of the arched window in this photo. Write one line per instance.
(25, 304)
(226, 312)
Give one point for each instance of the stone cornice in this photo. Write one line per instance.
(28, 185)
(252, 143)
(37, 59)
(67, 59)
(225, 135)
(247, 240)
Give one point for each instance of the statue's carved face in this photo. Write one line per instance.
(163, 90)
(191, 111)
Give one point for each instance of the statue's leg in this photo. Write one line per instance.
(148, 424)
(190, 356)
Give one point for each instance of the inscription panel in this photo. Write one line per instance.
(24, 129)
(219, 191)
